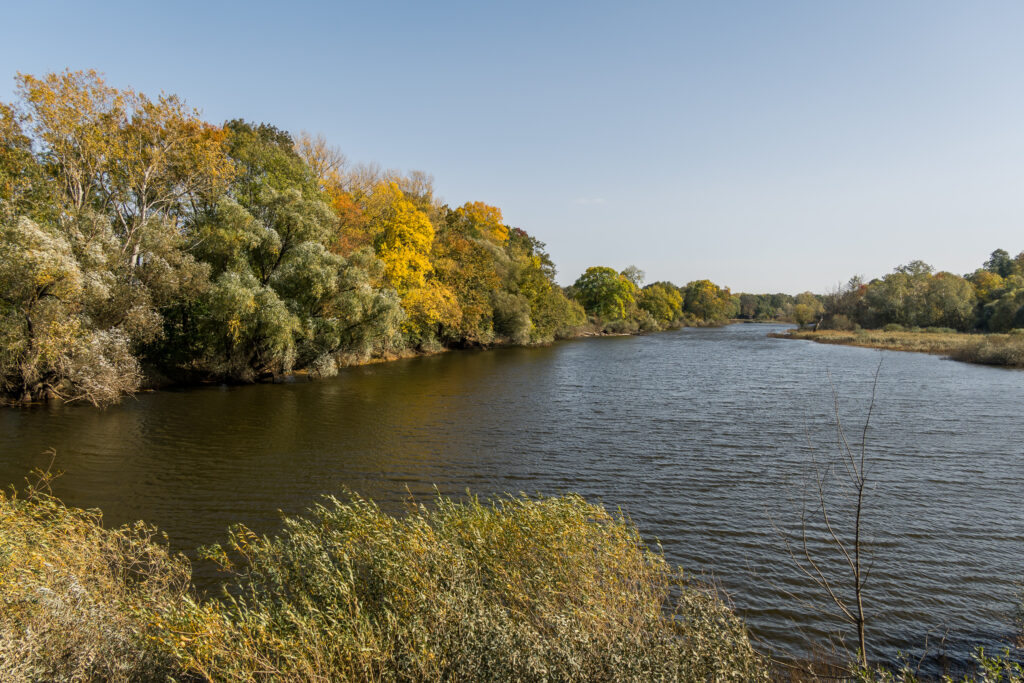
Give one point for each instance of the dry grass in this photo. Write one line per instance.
(1005, 350)
(519, 590)
(550, 589)
(79, 602)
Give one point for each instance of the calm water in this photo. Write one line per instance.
(703, 437)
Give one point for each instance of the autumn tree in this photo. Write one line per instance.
(707, 301)
(531, 276)
(403, 236)
(279, 297)
(663, 301)
(23, 186)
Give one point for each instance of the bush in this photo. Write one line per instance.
(893, 327)
(519, 589)
(838, 322)
(621, 327)
(81, 602)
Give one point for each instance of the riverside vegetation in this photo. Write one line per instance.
(978, 318)
(527, 589)
(519, 589)
(140, 244)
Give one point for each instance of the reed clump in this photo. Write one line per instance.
(519, 588)
(79, 601)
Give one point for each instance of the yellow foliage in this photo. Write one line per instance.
(131, 154)
(403, 237)
(430, 306)
(484, 219)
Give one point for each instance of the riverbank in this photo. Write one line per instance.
(155, 379)
(517, 588)
(1004, 350)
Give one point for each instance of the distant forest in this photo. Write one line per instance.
(991, 299)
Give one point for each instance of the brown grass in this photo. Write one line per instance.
(1006, 350)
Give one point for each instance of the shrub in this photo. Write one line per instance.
(621, 327)
(893, 327)
(81, 602)
(838, 322)
(519, 589)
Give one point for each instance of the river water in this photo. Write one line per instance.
(704, 437)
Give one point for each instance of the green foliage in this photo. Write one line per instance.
(605, 294)
(53, 340)
(663, 301)
(707, 301)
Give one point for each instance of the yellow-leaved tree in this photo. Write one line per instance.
(403, 236)
(481, 220)
(434, 312)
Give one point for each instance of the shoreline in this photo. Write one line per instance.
(998, 350)
(158, 381)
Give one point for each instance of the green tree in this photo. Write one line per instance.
(663, 301)
(707, 301)
(48, 343)
(605, 294)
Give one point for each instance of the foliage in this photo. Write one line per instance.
(79, 601)
(707, 301)
(516, 589)
(403, 236)
(136, 235)
(519, 589)
(50, 344)
(663, 301)
(605, 294)
(989, 299)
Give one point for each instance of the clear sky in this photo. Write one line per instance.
(768, 146)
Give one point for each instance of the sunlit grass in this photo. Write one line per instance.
(987, 349)
(516, 589)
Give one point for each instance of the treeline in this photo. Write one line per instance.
(619, 302)
(802, 308)
(138, 241)
(991, 299)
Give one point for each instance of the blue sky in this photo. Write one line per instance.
(767, 146)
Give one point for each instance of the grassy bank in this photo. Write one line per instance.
(518, 589)
(1005, 350)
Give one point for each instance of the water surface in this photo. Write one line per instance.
(703, 436)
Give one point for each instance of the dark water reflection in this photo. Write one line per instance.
(701, 436)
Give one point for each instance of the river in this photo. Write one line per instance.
(704, 437)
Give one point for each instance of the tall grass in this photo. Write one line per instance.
(528, 589)
(79, 601)
(519, 589)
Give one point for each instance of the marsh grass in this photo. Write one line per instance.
(1005, 350)
(527, 589)
(518, 589)
(79, 601)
